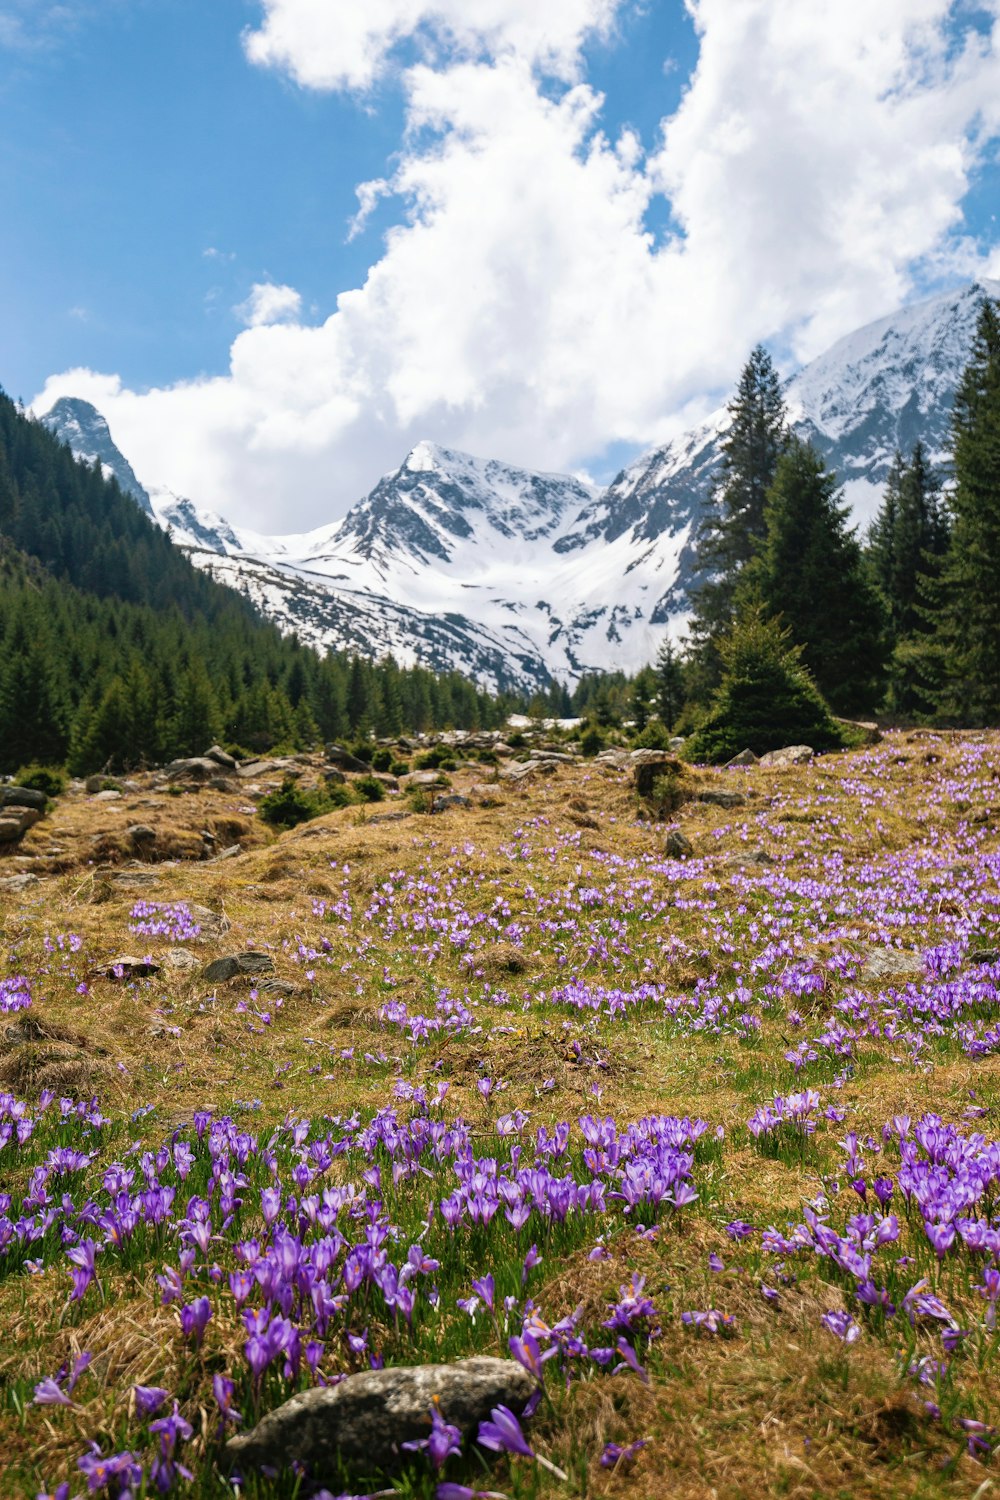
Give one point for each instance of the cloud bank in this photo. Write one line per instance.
(814, 171)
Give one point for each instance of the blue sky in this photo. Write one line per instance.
(145, 140)
(562, 284)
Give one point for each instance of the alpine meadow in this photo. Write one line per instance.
(500, 750)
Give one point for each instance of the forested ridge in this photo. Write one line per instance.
(116, 651)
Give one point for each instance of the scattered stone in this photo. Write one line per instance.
(892, 963)
(338, 756)
(279, 987)
(390, 783)
(220, 756)
(454, 799)
(22, 796)
(262, 768)
(333, 777)
(220, 784)
(721, 798)
(745, 758)
(790, 755)
(212, 923)
(251, 962)
(15, 823)
(193, 768)
(93, 785)
(141, 833)
(522, 770)
(867, 733)
(180, 958)
(677, 743)
(230, 852)
(365, 1419)
(16, 884)
(124, 968)
(423, 779)
(677, 845)
(651, 765)
(108, 796)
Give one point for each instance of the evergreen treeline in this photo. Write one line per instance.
(905, 621)
(115, 651)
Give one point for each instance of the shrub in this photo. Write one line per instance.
(48, 779)
(382, 760)
(655, 736)
(516, 741)
(438, 758)
(400, 768)
(363, 750)
(291, 804)
(591, 741)
(766, 698)
(370, 788)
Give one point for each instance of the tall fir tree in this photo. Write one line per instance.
(734, 525)
(670, 687)
(969, 624)
(809, 572)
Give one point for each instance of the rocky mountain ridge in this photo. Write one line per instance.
(516, 577)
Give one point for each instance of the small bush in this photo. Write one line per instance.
(400, 768)
(382, 760)
(370, 788)
(655, 736)
(516, 741)
(438, 758)
(291, 804)
(48, 779)
(364, 750)
(666, 794)
(591, 741)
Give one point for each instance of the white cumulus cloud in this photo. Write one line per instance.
(349, 44)
(268, 303)
(815, 170)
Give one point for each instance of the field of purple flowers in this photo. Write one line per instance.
(711, 1146)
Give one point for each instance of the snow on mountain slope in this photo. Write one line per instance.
(512, 576)
(349, 619)
(84, 430)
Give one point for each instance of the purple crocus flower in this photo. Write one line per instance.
(503, 1433)
(842, 1325)
(149, 1399)
(442, 1441)
(49, 1392)
(618, 1458)
(194, 1319)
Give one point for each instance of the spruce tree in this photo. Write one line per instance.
(766, 698)
(969, 596)
(669, 684)
(734, 525)
(809, 571)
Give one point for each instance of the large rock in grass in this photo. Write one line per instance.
(362, 1422)
(789, 755)
(236, 964)
(655, 766)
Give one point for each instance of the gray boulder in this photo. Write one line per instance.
(745, 758)
(721, 798)
(790, 755)
(338, 756)
(677, 845)
(192, 768)
(362, 1422)
(251, 962)
(22, 796)
(221, 757)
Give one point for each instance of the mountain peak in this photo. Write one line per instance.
(82, 428)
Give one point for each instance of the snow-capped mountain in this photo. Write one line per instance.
(82, 428)
(514, 576)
